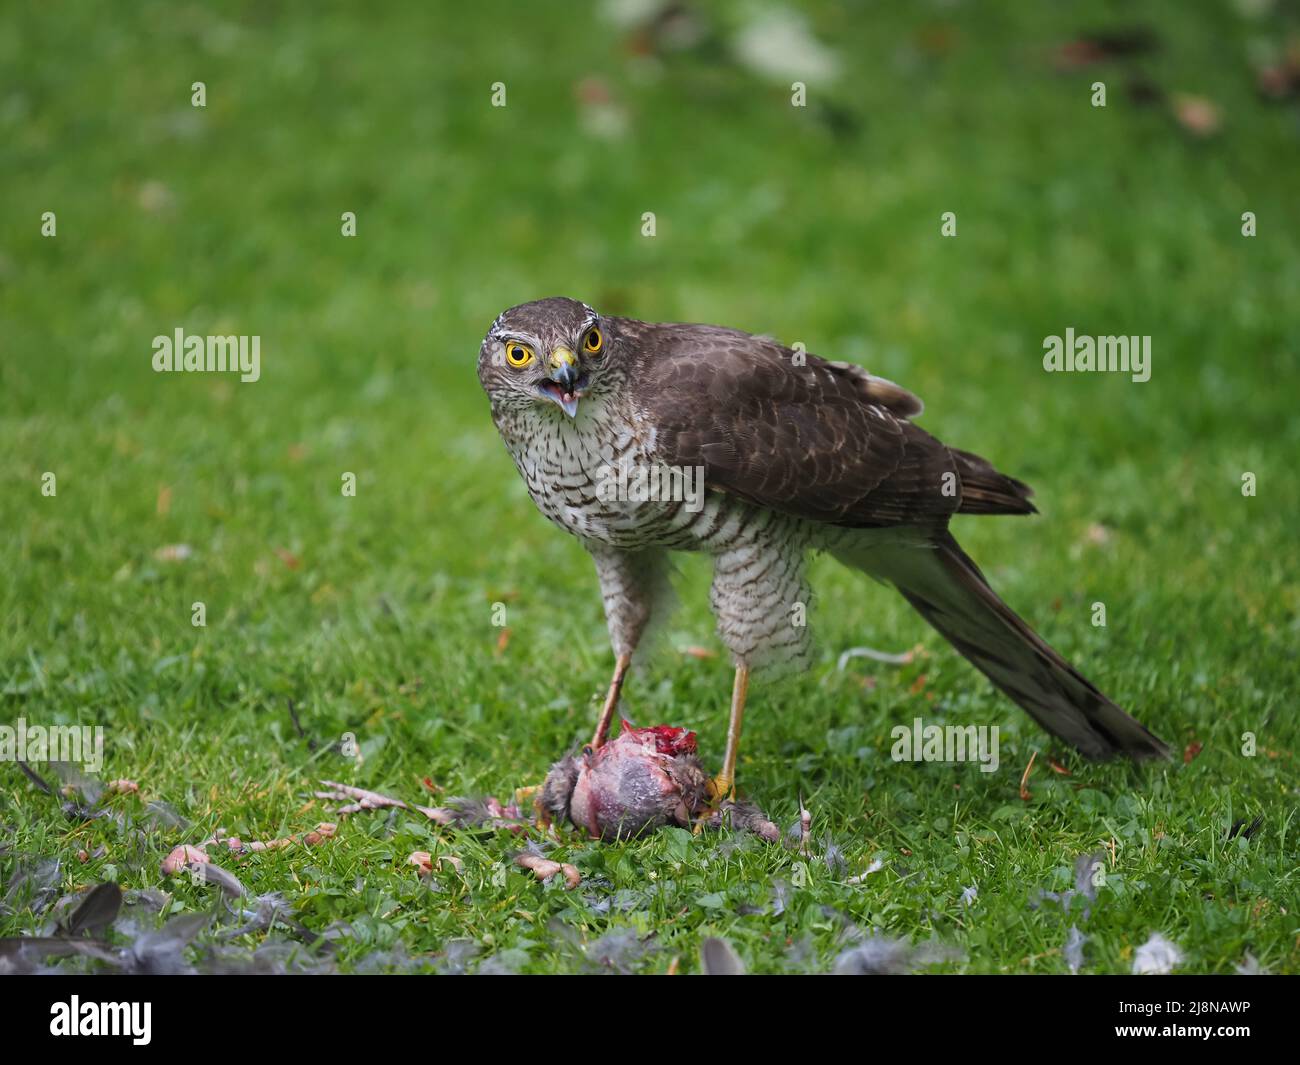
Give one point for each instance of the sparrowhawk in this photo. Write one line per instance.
(797, 454)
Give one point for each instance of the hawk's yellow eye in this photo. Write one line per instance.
(594, 341)
(519, 355)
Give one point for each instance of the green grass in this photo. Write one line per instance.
(770, 218)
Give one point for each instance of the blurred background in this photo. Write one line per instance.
(816, 224)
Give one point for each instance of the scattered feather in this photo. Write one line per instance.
(1156, 957)
(618, 950)
(888, 657)
(1240, 828)
(1073, 949)
(164, 815)
(162, 951)
(222, 878)
(96, 911)
(1250, 966)
(717, 958)
(777, 43)
(780, 897)
(878, 955)
(876, 865)
(35, 778)
(33, 886)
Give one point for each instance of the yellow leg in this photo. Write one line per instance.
(724, 784)
(611, 701)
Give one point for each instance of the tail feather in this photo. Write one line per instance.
(986, 491)
(948, 590)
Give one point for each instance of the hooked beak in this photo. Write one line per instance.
(564, 386)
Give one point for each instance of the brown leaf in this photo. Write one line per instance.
(1191, 751)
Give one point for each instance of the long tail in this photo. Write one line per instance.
(949, 591)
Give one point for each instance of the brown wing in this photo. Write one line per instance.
(822, 440)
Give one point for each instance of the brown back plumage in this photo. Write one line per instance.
(826, 441)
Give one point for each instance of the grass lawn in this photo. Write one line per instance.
(372, 615)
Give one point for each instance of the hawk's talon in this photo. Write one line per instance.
(721, 789)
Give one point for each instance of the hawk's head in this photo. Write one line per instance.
(551, 351)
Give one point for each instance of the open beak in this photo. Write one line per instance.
(563, 385)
